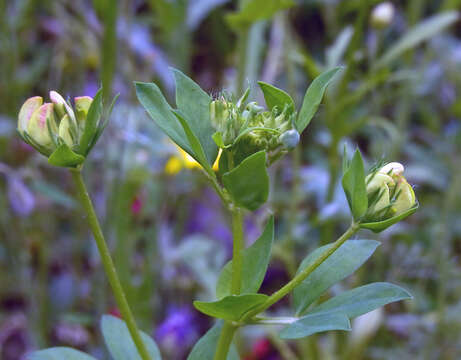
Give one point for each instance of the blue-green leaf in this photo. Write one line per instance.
(194, 105)
(120, 343)
(150, 96)
(231, 307)
(315, 323)
(248, 183)
(343, 262)
(59, 353)
(205, 348)
(363, 299)
(255, 262)
(355, 187)
(313, 97)
(64, 156)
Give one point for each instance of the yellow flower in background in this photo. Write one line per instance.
(183, 160)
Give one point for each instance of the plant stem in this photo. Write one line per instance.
(288, 287)
(108, 264)
(228, 330)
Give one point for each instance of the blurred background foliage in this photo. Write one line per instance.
(398, 99)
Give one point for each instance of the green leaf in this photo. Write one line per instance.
(343, 262)
(205, 348)
(313, 97)
(363, 299)
(315, 323)
(379, 226)
(150, 96)
(425, 30)
(64, 156)
(355, 187)
(119, 342)
(256, 10)
(91, 124)
(197, 150)
(59, 353)
(255, 262)
(276, 97)
(232, 307)
(248, 183)
(194, 104)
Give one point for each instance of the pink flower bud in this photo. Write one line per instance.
(27, 109)
(38, 128)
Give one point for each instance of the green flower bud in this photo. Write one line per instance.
(82, 104)
(27, 109)
(61, 107)
(64, 131)
(37, 127)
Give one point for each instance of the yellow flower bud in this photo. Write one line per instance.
(405, 197)
(82, 104)
(38, 125)
(27, 109)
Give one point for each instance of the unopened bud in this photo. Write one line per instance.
(290, 138)
(382, 15)
(64, 130)
(38, 125)
(82, 105)
(61, 107)
(27, 109)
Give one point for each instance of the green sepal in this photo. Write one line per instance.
(90, 131)
(63, 156)
(378, 226)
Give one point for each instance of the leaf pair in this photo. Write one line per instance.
(118, 341)
(255, 262)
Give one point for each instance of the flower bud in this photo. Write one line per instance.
(27, 109)
(64, 131)
(61, 107)
(82, 104)
(382, 15)
(37, 128)
(290, 138)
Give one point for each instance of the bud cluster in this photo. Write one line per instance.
(46, 126)
(389, 193)
(252, 125)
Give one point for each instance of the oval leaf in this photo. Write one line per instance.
(232, 307)
(205, 348)
(343, 262)
(363, 299)
(255, 262)
(355, 187)
(311, 324)
(59, 353)
(119, 342)
(276, 97)
(313, 97)
(248, 183)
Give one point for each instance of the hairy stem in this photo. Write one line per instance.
(108, 264)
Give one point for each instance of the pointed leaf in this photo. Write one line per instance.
(232, 307)
(59, 353)
(379, 226)
(363, 299)
(150, 96)
(194, 104)
(343, 262)
(355, 187)
(120, 343)
(64, 156)
(205, 348)
(91, 124)
(276, 97)
(248, 183)
(315, 323)
(313, 97)
(255, 262)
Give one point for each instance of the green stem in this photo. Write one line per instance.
(109, 265)
(229, 329)
(288, 287)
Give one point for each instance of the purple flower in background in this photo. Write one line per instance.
(21, 199)
(178, 331)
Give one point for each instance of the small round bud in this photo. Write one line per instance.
(290, 138)
(382, 15)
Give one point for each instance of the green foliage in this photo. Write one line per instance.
(313, 97)
(255, 262)
(205, 348)
(379, 226)
(276, 97)
(59, 353)
(248, 183)
(119, 342)
(315, 323)
(64, 156)
(91, 124)
(354, 186)
(342, 263)
(231, 307)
